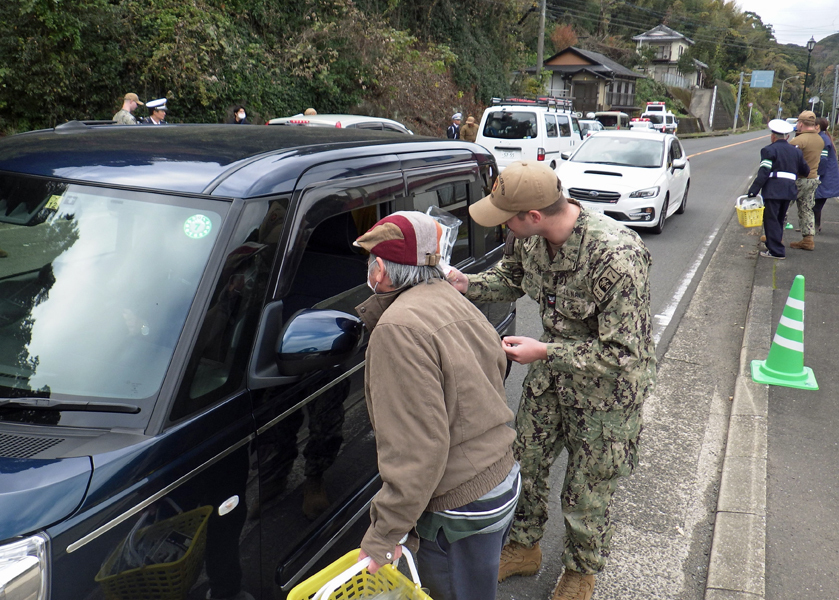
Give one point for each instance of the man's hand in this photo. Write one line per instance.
(374, 566)
(524, 350)
(458, 280)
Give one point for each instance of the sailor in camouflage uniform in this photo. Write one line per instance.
(129, 104)
(589, 372)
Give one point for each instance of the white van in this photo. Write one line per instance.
(662, 119)
(529, 128)
(613, 119)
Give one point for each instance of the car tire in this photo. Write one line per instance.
(659, 227)
(684, 204)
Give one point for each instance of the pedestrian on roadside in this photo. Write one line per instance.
(239, 116)
(157, 112)
(589, 372)
(828, 173)
(781, 164)
(469, 131)
(129, 105)
(811, 144)
(453, 132)
(434, 383)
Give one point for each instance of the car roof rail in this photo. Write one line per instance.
(83, 124)
(549, 101)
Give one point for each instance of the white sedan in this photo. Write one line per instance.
(635, 177)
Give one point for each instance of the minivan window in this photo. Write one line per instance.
(550, 126)
(451, 197)
(511, 125)
(575, 125)
(564, 126)
(220, 355)
(96, 304)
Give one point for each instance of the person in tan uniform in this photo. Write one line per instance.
(469, 131)
(811, 144)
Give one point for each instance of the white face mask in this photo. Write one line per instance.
(241, 115)
(372, 287)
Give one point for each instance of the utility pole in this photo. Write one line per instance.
(737, 109)
(540, 52)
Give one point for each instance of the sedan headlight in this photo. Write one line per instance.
(23, 569)
(646, 193)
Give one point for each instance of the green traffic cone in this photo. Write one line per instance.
(785, 363)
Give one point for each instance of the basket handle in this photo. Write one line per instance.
(333, 584)
(741, 199)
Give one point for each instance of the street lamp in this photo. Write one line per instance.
(810, 45)
(781, 95)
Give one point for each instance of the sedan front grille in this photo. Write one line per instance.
(594, 195)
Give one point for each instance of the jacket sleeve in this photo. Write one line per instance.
(624, 325)
(763, 171)
(501, 283)
(408, 412)
(824, 165)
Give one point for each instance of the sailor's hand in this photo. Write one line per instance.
(458, 280)
(524, 350)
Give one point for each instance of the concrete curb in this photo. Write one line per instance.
(737, 565)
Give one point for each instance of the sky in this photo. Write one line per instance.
(796, 22)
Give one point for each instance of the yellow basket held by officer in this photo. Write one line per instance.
(749, 211)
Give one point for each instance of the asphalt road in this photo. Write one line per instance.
(703, 267)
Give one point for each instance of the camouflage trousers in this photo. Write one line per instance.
(806, 200)
(602, 447)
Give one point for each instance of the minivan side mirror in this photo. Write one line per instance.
(316, 339)
(566, 155)
(679, 163)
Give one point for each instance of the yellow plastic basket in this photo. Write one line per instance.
(359, 585)
(748, 217)
(165, 581)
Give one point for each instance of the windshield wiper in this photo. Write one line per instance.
(50, 404)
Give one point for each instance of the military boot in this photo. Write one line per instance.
(518, 559)
(573, 585)
(806, 243)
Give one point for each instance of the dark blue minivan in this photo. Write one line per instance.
(181, 398)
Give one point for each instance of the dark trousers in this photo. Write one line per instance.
(817, 211)
(464, 570)
(774, 215)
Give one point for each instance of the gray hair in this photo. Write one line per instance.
(402, 276)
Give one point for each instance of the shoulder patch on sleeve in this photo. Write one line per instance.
(604, 285)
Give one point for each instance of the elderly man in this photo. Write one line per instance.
(589, 372)
(780, 165)
(811, 144)
(435, 394)
(129, 104)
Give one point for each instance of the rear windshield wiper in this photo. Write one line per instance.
(50, 404)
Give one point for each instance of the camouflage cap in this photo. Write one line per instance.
(134, 98)
(522, 186)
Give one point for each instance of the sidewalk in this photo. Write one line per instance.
(777, 520)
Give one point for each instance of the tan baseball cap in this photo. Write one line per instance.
(808, 117)
(522, 186)
(134, 98)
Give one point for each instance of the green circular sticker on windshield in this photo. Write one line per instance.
(198, 226)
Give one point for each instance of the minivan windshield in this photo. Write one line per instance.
(511, 125)
(620, 150)
(96, 286)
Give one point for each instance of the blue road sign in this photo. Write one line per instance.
(762, 79)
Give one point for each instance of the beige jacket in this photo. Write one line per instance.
(811, 144)
(469, 132)
(434, 382)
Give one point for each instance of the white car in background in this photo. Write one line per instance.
(589, 127)
(637, 178)
(345, 121)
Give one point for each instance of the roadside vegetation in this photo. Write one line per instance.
(417, 62)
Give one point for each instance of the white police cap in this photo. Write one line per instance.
(159, 104)
(456, 117)
(780, 126)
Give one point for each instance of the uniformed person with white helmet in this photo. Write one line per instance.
(157, 112)
(781, 164)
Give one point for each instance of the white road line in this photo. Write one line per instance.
(662, 320)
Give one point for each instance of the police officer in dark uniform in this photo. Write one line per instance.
(157, 112)
(780, 165)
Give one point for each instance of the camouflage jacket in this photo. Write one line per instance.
(594, 301)
(123, 117)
